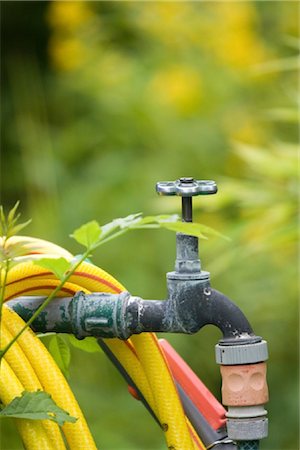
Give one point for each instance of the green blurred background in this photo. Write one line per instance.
(102, 99)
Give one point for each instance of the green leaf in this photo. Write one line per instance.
(12, 218)
(17, 228)
(88, 234)
(60, 351)
(159, 219)
(36, 406)
(212, 232)
(88, 344)
(121, 223)
(92, 235)
(8, 225)
(58, 266)
(192, 229)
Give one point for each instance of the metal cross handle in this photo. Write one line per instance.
(186, 188)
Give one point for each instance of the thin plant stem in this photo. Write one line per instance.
(2, 292)
(3, 284)
(109, 238)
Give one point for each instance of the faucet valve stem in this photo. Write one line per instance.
(186, 187)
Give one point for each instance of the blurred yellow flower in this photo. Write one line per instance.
(67, 53)
(66, 47)
(227, 29)
(67, 16)
(179, 87)
(235, 40)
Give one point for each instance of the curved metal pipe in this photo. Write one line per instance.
(187, 310)
(227, 316)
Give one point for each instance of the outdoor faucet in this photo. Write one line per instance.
(191, 304)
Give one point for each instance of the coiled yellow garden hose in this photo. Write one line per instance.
(77, 434)
(33, 433)
(141, 356)
(24, 372)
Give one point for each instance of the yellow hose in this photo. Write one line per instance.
(141, 357)
(32, 432)
(36, 246)
(169, 407)
(77, 434)
(134, 368)
(23, 370)
(88, 276)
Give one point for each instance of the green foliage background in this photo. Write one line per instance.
(102, 99)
